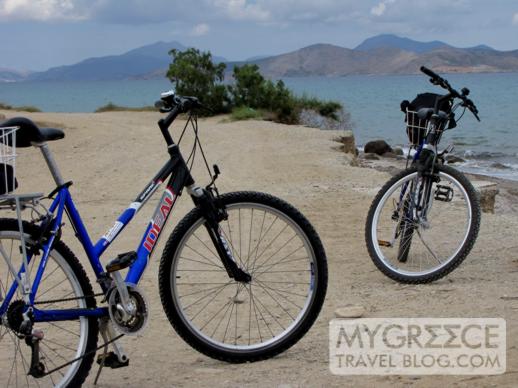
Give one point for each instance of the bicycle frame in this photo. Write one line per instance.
(180, 177)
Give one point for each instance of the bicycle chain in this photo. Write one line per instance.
(69, 299)
(84, 355)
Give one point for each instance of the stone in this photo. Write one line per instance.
(347, 141)
(350, 311)
(452, 159)
(487, 192)
(378, 147)
(371, 157)
(389, 155)
(354, 162)
(500, 166)
(398, 151)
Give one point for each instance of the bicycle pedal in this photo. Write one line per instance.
(111, 360)
(124, 260)
(383, 243)
(443, 193)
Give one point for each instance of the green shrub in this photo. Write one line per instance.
(111, 107)
(250, 96)
(194, 74)
(24, 108)
(245, 113)
(252, 90)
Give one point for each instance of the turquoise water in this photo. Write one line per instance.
(373, 102)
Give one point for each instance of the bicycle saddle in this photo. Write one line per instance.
(29, 132)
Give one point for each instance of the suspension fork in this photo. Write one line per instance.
(213, 212)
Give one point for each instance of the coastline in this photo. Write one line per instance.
(506, 199)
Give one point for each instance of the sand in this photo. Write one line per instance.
(111, 156)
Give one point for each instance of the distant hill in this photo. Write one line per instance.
(149, 61)
(132, 64)
(330, 60)
(393, 41)
(406, 44)
(10, 75)
(382, 54)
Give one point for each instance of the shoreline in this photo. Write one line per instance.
(506, 199)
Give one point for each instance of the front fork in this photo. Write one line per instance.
(427, 174)
(214, 212)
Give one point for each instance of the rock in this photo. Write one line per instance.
(378, 147)
(500, 166)
(389, 155)
(354, 162)
(452, 159)
(312, 118)
(347, 141)
(398, 151)
(371, 157)
(350, 311)
(487, 192)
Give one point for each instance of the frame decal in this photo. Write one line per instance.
(159, 219)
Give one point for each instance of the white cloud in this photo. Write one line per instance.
(381, 7)
(200, 29)
(42, 10)
(242, 10)
(515, 19)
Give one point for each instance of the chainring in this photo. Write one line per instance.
(124, 323)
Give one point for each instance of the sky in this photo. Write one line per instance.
(38, 34)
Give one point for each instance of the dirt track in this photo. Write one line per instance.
(111, 156)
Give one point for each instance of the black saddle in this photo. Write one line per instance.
(29, 132)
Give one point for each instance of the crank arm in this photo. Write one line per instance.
(108, 334)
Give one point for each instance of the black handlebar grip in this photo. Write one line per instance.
(429, 72)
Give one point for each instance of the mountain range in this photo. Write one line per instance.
(382, 54)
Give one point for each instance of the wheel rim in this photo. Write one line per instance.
(426, 253)
(63, 341)
(267, 305)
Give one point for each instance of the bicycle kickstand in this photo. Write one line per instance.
(115, 359)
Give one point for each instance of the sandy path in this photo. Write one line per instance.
(111, 156)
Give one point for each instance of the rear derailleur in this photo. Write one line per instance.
(22, 325)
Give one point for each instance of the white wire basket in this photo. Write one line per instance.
(8, 181)
(416, 128)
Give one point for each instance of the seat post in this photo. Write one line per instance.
(51, 163)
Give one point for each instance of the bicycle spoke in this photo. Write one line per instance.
(199, 254)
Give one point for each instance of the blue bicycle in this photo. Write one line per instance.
(242, 277)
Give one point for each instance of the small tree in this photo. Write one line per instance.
(194, 74)
(248, 87)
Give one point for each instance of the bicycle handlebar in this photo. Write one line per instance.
(174, 105)
(436, 79)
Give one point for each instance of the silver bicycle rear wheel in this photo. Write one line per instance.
(64, 340)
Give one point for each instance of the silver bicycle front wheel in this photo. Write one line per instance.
(420, 228)
(238, 321)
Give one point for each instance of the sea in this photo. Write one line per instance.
(489, 147)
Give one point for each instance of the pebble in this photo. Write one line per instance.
(350, 311)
